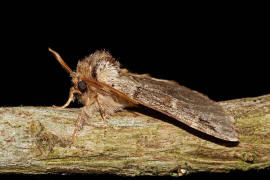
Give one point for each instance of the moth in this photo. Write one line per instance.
(101, 85)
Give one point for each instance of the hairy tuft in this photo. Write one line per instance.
(99, 66)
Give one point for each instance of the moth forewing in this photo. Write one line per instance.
(185, 105)
(111, 89)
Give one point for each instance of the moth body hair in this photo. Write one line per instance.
(100, 67)
(100, 84)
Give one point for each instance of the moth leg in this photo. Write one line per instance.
(103, 115)
(70, 99)
(91, 110)
(78, 126)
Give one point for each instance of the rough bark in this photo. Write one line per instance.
(35, 140)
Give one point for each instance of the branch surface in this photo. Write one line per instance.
(35, 140)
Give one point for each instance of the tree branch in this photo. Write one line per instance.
(34, 140)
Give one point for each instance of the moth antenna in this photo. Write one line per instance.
(61, 61)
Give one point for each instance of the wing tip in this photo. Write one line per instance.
(233, 139)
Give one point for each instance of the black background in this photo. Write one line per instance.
(223, 53)
(224, 60)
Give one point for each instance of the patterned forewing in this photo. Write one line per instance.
(185, 105)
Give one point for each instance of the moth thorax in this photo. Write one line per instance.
(105, 69)
(100, 66)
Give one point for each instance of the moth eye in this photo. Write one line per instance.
(82, 86)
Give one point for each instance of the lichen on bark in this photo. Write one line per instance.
(35, 140)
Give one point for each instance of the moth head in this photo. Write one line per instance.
(99, 66)
(82, 86)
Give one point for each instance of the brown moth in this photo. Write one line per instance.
(101, 85)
